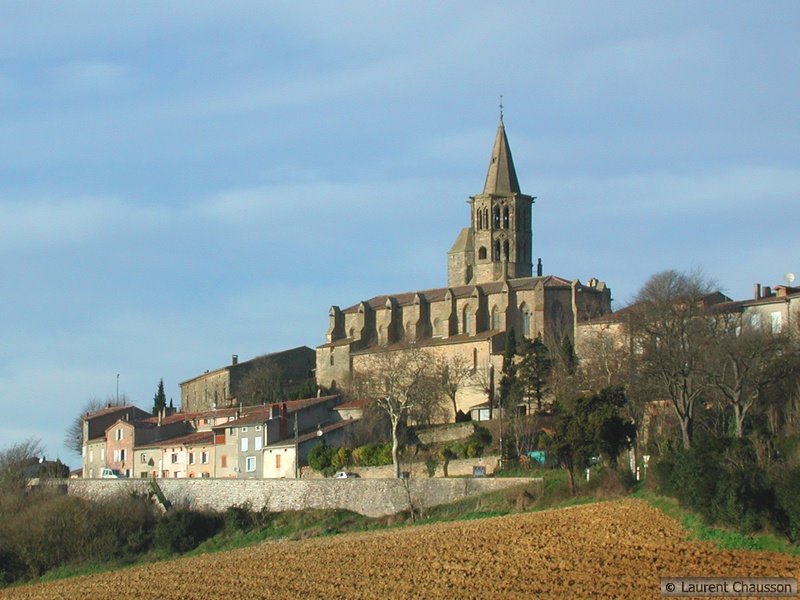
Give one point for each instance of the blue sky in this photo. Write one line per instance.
(181, 182)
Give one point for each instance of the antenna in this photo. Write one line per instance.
(789, 278)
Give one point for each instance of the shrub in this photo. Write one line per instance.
(787, 514)
(430, 466)
(320, 456)
(373, 455)
(341, 458)
(183, 530)
(721, 479)
(481, 436)
(240, 517)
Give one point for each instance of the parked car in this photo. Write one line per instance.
(106, 473)
(345, 475)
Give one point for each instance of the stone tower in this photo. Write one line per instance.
(498, 244)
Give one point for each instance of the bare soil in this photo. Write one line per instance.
(617, 549)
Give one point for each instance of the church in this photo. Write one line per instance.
(491, 288)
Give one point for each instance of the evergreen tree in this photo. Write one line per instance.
(160, 399)
(509, 385)
(534, 370)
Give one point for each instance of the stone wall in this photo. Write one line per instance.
(371, 497)
(450, 433)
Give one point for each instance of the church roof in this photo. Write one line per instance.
(463, 242)
(501, 178)
(464, 291)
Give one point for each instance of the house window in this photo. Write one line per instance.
(259, 443)
(204, 458)
(244, 429)
(223, 461)
(119, 455)
(205, 475)
(258, 427)
(277, 461)
(755, 321)
(250, 464)
(91, 455)
(191, 458)
(103, 454)
(143, 458)
(775, 322)
(174, 458)
(118, 434)
(245, 444)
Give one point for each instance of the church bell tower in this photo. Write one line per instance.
(498, 244)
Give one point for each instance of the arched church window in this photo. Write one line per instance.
(482, 253)
(526, 320)
(437, 328)
(505, 218)
(496, 255)
(505, 250)
(496, 217)
(480, 219)
(496, 318)
(486, 218)
(466, 322)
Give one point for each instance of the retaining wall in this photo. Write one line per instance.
(371, 497)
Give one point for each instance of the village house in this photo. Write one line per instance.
(227, 442)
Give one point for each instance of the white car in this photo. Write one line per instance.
(344, 475)
(106, 473)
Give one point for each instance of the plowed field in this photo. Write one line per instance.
(615, 549)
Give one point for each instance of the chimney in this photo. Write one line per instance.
(160, 416)
(757, 291)
(235, 359)
(767, 291)
(539, 268)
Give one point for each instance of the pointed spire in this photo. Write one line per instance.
(501, 178)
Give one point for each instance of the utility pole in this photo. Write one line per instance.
(296, 449)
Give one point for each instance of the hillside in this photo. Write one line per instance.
(612, 549)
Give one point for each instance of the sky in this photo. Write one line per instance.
(184, 181)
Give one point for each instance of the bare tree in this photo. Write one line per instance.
(73, 437)
(261, 385)
(671, 327)
(14, 460)
(451, 373)
(396, 379)
(740, 363)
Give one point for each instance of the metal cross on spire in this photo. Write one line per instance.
(501, 107)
